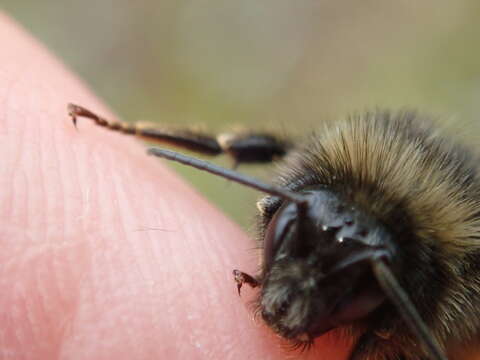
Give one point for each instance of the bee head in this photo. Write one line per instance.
(317, 265)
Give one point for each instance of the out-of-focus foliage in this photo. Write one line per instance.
(278, 64)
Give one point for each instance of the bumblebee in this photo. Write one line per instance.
(371, 229)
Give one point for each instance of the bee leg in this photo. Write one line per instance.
(243, 148)
(243, 278)
(253, 147)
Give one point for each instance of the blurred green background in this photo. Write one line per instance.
(274, 64)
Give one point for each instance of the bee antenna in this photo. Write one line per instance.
(405, 307)
(229, 174)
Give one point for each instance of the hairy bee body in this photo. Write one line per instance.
(371, 228)
(424, 188)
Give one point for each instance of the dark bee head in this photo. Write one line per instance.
(317, 273)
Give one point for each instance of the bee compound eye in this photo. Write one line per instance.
(281, 227)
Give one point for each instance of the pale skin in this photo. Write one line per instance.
(105, 253)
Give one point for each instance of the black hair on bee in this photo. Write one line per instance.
(372, 228)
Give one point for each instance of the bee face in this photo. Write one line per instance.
(316, 273)
(372, 225)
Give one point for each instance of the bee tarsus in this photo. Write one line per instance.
(243, 278)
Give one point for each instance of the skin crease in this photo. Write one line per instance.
(81, 274)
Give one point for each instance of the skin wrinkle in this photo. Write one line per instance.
(134, 245)
(106, 214)
(47, 201)
(137, 240)
(68, 185)
(90, 199)
(44, 299)
(13, 336)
